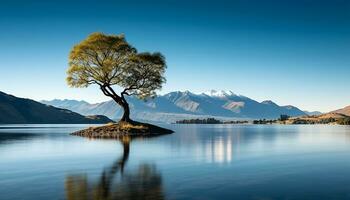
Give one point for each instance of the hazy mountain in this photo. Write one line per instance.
(344, 111)
(76, 105)
(313, 112)
(179, 105)
(14, 110)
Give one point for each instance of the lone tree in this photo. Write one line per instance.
(109, 60)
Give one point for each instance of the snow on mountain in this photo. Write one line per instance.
(220, 93)
(269, 102)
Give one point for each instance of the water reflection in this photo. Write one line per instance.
(224, 143)
(8, 137)
(219, 150)
(196, 162)
(144, 182)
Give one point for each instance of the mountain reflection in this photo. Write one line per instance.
(219, 150)
(145, 182)
(13, 137)
(223, 144)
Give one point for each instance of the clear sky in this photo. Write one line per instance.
(292, 52)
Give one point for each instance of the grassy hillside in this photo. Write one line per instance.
(344, 111)
(328, 118)
(14, 110)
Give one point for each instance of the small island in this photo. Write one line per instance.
(123, 129)
(108, 61)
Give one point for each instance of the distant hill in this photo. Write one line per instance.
(185, 105)
(14, 110)
(344, 111)
(328, 118)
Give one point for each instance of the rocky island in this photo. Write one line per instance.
(123, 129)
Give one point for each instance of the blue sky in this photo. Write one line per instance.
(292, 52)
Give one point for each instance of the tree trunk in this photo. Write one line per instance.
(120, 100)
(126, 114)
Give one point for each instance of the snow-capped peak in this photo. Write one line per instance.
(221, 93)
(268, 102)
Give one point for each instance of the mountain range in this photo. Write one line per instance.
(14, 110)
(183, 105)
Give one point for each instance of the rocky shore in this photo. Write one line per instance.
(123, 129)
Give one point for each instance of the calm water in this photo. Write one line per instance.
(196, 162)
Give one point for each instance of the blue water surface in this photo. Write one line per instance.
(196, 162)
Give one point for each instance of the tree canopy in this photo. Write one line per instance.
(108, 60)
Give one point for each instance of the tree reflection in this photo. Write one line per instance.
(145, 182)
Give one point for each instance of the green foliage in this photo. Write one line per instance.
(284, 117)
(264, 121)
(209, 121)
(109, 60)
(199, 121)
(144, 75)
(344, 121)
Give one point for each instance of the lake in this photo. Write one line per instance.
(196, 162)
